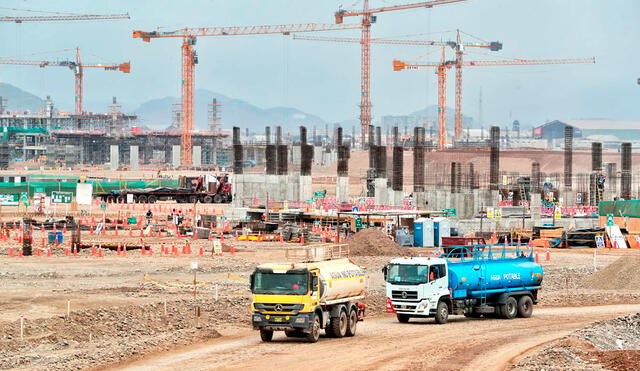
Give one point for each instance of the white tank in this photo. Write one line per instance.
(339, 279)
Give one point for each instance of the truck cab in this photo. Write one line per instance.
(415, 286)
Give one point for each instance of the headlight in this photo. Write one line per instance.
(423, 305)
(257, 318)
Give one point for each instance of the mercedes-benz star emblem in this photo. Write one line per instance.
(404, 294)
(278, 308)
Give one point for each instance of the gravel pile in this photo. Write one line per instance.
(374, 242)
(621, 274)
(605, 345)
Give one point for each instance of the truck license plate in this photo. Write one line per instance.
(278, 319)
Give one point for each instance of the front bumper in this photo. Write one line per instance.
(281, 322)
(413, 308)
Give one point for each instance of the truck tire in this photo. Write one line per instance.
(525, 306)
(314, 332)
(207, 199)
(193, 199)
(217, 199)
(142, 199)
(110, 199)
(266, 335)
(509, 309)
(402, 318)
(152, 199)
(339, 325)
(352, 323)
(442, 313)
(120, 199)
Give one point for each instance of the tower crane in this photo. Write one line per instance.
(59, 16)
(457, 45)
(190, 59)
(368, 18)
(442, 76)
(78, 69)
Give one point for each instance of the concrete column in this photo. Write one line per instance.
(114, 158)
(134, 158)
(536, 199)
(175, 156)
(272, 186)
(420, 200)
(237, 189)
(196, 157)
(317, 155)
(306, 191)
(292, 187)
(381, 191)
(342, 189)
(295, 155)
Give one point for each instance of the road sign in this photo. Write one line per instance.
(505, 180)
(103, 205)
(610, 220)
(61, 197)
(358, 223)
(557, 214)
(600, 242)
(450, 212)
(39, 190)
(498, 214)
(9, 199)
(24, 196)
(490, 213)
(319, 194)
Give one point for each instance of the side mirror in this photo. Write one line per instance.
(251, 278)
(385, 269)
(314, 283)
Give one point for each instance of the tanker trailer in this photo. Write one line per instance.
(503, 283)
(302, 298)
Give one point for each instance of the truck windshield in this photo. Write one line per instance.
(408, 274)
(280, 283)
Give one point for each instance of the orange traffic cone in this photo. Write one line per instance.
(232, 249)
(10, 251)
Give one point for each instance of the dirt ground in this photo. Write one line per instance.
(139, 312)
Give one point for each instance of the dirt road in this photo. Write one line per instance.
(383, 343)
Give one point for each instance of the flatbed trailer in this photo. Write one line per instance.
(180, 195)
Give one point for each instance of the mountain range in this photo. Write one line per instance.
(159, 113)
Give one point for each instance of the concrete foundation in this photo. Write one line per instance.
(420, 200)
(175, 156)
(381, 191)
(196, 157)
(134, 158)
(394, 198)
(342, 189)
(292, 187)
(114, 157)
(305, 188)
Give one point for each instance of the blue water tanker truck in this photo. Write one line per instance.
(502, 282)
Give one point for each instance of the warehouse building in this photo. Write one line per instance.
(595, 130)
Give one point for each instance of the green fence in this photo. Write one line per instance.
(620, 208)
(98, 186)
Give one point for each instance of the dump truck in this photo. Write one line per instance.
(303, 298)
(466, 281)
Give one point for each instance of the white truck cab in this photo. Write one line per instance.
(415, 286)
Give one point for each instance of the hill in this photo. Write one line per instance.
(18, 99)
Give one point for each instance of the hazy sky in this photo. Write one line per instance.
(323, 78)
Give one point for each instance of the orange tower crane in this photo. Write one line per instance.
(444, 65)
(60, 17)
(457, 45)
(368, 18)
(78, 69)
(190, 59)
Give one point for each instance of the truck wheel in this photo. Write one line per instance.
(525, 306)
(402, 318)
(110, 199)
(152, 199)
(266, 335)
(339, 325)
(207, 199)
(142, 199)
(314, 333)
(509, 309)
(120, 199)
(442, 313)
(352, 323)
(217, 199)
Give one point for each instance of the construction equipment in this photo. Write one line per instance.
(190, 59)
(456, 45)
(504, 282)
(58, 16)
(368, 18)
(78, 69)
(443, 65)
(302, 298)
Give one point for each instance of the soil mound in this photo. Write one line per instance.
(374, 242)
(621, 274)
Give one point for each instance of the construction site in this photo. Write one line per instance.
(432, 240)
